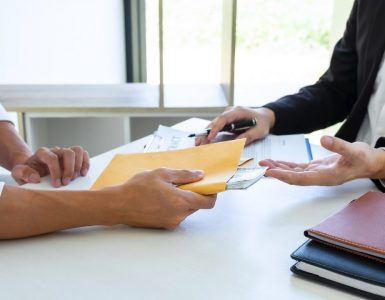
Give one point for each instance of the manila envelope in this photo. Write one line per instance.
(219, 162)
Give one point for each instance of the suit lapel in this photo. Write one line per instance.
(370, 59)
(376, 42)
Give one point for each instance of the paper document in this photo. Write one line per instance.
(167, 138)
(278, 147)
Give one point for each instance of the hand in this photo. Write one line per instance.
(265, 121)
(351, 161)
(151, 199)
(62, 164)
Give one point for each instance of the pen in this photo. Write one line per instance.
(241, 125)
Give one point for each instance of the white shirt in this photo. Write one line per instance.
(373, 125)
(4, 116)
(1, 187)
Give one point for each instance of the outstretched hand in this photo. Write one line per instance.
(62, 164)
(350, 161)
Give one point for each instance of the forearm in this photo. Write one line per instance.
(13, 149)
(26, 212)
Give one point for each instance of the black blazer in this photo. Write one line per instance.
(344, 91)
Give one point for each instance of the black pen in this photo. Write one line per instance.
(241, 125)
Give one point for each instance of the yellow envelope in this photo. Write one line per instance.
(219, 161)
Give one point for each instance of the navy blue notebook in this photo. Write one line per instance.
(340, 268)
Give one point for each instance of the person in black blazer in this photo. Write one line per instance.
(341, 94)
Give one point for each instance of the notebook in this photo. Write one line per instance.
(339, 268)
(359, 227)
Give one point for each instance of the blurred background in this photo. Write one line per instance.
(200, 56)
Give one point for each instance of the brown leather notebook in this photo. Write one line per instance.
(358, 228)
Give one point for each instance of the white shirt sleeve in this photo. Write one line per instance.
(1, 187)
(382, 181)
(4, 116)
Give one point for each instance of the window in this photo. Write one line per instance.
(208, 53)
(281, 46)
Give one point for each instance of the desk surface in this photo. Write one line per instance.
(238, 250)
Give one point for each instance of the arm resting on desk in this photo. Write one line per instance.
(149, 199)
(62, 164)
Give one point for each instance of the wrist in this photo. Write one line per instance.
(116, 205)
(380, 170)
(103, 207)
(268, 115)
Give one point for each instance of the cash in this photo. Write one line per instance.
(245, 177)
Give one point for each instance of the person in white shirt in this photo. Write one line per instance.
(351, 90)
(62, 164)
(150, 199)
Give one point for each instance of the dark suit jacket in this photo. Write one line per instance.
(344, 91)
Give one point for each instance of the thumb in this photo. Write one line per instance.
(25, 174)
(337, 145)
(179, 177)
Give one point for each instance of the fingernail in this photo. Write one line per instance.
(327, 140)
(84, 172)
(198, 172)
(57, 182)
(66, 180)
(34, 178)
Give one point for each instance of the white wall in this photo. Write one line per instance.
(65, 41)
(62, 41)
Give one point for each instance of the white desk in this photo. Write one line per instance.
(238, 250)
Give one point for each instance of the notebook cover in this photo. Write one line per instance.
(333, 283)
(361, 224)
(341, 262)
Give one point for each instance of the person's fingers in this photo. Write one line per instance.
(78, 160)
(51, 160)
(290, 177)
(283, 164)
(272, 164)
(179, 177)
(217, 125)
(266, 163)
(67, 158)
(198, 141)
(293, 164)
(338, 145)
(197, 201)
(86, 164)
(304, 178)
(230, 115)
(25, 174)
(248, 135)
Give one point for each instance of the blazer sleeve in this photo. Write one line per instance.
(380, 184)
(330, 99)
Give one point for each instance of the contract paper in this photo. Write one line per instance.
(167, 138)
(278, 147)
